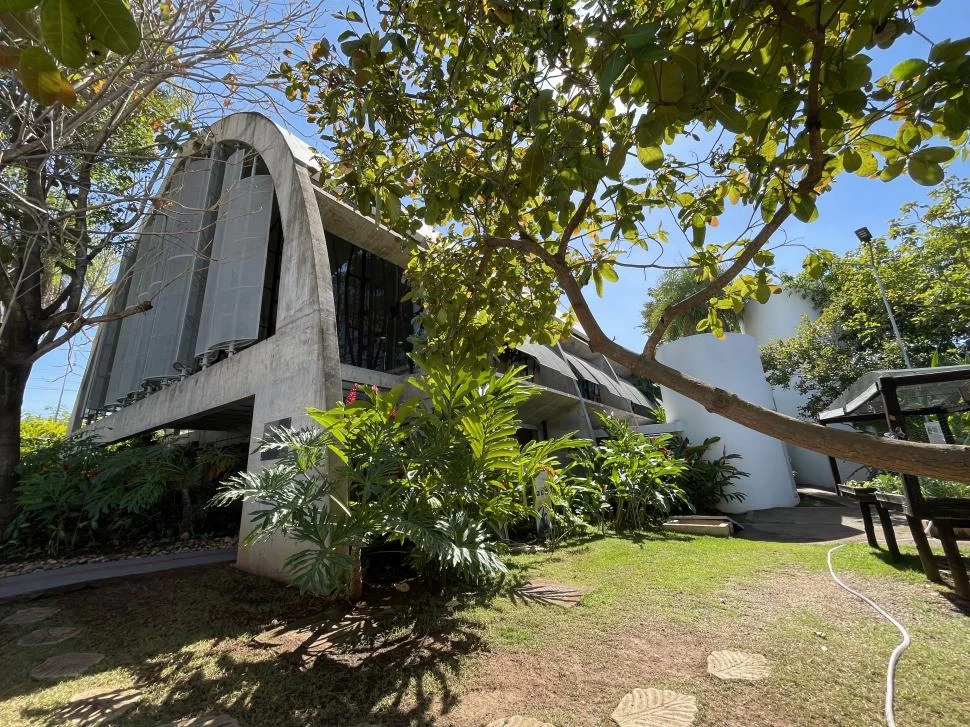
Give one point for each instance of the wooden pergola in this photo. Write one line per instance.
(892, 396)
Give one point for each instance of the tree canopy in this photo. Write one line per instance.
(926, 273)
(540, 139)
(673, 286)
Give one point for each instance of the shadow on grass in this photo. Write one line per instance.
(223, 641)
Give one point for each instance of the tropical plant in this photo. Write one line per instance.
(76, 491)
(706, 482)
(547, 144)
(631, 475)
(442, 472)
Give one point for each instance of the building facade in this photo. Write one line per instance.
(269, 295)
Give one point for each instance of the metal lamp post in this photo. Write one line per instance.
(866, 237)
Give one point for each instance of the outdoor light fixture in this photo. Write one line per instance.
(865, 237)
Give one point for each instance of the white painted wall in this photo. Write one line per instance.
(734, 364)
(774, 321)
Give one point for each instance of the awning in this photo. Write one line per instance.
(587, 371)
(547, 358)
(635, 395)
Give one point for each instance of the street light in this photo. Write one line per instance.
(865, 237)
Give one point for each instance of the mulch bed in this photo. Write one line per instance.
(138, 550)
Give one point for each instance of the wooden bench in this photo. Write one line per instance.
(866, 497)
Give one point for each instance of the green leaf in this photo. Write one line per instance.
(852, 102)
(699, 232)
(63, 33)
(641, 36)
(110, 22)
(803, 207)
(17, 5)
(937, 154)
(652, 157)
(851, 160)
(41, 77)
(949, 50)
(591, 169)
(745, 84)
(615, 65)
(534, 164)
(928, 174)
(910, 68)
(730, 118)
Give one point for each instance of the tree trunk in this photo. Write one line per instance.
(356, 587)
(185, 527)
(13, 381)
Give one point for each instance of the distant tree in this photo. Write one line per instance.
(673, 286)
(927, 278)
(79, 165)
(546, 140)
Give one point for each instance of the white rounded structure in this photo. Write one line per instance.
(734, 364)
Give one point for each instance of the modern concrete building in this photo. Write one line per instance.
(269, 295)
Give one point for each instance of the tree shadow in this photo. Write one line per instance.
(261, 652)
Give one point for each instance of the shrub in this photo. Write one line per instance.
(630, 475)
(706, 482)
(37, 432)
(443, 473)
(930, 486)
(78, 492)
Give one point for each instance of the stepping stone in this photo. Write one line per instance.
(98, 706)
(66, 665)
(655, 708)
(549, 594)
(737, 665)
(518, 721)
(48, 636)
(212, 720)
(27, 616)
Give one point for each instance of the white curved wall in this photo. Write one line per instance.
(733, 364)
(777, 320)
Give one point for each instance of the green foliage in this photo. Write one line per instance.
(706, 482)
(632, 475)
(537, 139)
(930, 486)
(37, 432)
(443, 473)
(926, 274)
(74, 491)
(674, 286)
(75, 32)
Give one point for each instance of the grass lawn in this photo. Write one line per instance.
(219, 640)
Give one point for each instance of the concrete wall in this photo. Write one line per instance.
(777, 320)
(733, 364)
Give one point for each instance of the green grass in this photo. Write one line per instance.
(655, 607)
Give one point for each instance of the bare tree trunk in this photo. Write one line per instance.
(13, 380)
(185, 527)
(356, 588)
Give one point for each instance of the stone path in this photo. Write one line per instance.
(98, 706)
(729, 665)
(26, 616)
(215, 720)
(66, 665)
(549, 594)
(89, 573)
(48, 636)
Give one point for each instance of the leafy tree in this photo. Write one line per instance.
(673, 286)
(538, 139)
(444, 473)
(37, 432)
(77, 178)
(927, 278)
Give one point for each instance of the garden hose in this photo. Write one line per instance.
(897, 652)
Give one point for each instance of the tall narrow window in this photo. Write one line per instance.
(373, 322)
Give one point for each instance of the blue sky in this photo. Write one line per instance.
(853, 202)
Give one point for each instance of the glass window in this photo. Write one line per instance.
(373, 323)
